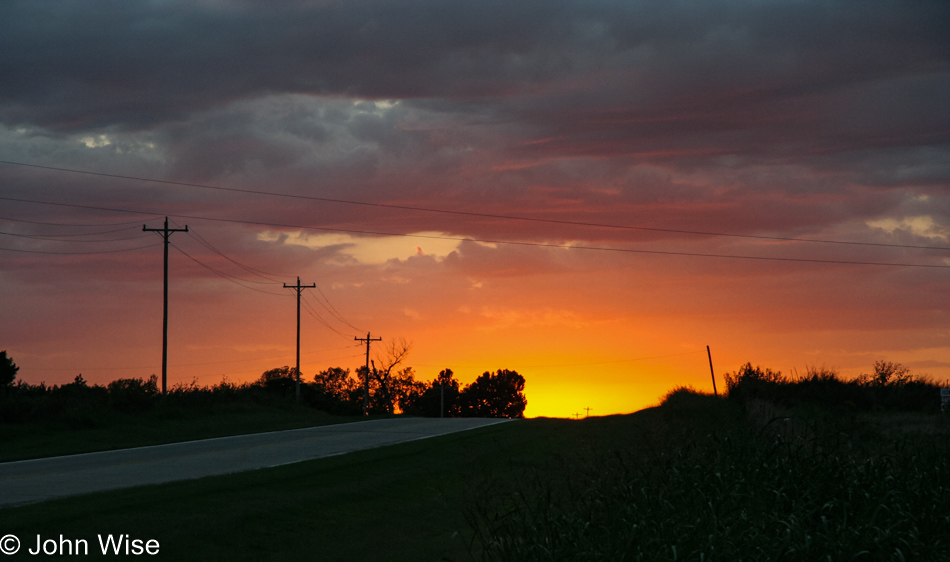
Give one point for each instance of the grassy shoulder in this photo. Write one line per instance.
(403, 502)
(108, 429)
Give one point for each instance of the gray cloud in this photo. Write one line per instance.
(739, 116)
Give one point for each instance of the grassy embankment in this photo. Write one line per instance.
(107, 429)
(698, 478)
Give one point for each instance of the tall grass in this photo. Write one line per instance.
(706, 483)
(891, 386)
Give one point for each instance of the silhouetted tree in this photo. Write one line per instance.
(406, 389)
(280, 379)
(336, 382)
(887, 373)
(430, 401)
(335, 391)
(8, 369)
(386, 394)
(495, 395)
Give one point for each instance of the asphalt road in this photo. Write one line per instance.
(42, 479)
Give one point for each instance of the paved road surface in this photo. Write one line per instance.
(42, 479)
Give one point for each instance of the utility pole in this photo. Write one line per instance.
(588, 411)
(367, 339)
(711, 372)
(299, 288)
(166, 233)
(443, 375)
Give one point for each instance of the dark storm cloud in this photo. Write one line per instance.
(96, 64)
(737, 116)
(670, 68)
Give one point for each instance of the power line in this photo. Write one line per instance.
(262, 274)
(227, 277)
(320, 319)
(135, 222)
(439, 365)
(332, 311)
(57, 238)
(78, 234)
(474, 214)
(88, 368)
(490, 241)
(78, 253)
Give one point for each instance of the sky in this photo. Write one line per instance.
(588, 192)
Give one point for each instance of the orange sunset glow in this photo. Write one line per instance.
(589, 194)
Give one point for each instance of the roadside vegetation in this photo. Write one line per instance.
(811, 468)
(45, 420)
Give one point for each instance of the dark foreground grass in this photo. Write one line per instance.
(798, 485)
(403, 502)
(696, 479)
(117, 430)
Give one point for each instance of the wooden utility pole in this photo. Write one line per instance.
(367, 339)
(588, 411)
(299, 288)
(711, 372)
(443, 375)
(166, 233)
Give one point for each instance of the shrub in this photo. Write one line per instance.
(132, 395)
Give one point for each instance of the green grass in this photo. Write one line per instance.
(108, 429)
(401, 502)
(698, 478)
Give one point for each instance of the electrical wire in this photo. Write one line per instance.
(236, 280)
(262, 274)
(273, 278)
(78, 234)
(79, 253)
(288, 356)
(506, 242)
(306, 306)
(331, 309)
(68, 224)
(56, 238)
(231, 278)
(473, 214)
(613, 361)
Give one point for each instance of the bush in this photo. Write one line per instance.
(132, 395)
(891, 387)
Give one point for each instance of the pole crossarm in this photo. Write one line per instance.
(166, 234)
(367, 339)
(299, 288)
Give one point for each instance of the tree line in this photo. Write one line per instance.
(390, 387)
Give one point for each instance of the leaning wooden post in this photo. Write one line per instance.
(711, 372)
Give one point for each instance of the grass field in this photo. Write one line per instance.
(116, 430)
(698, 478)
